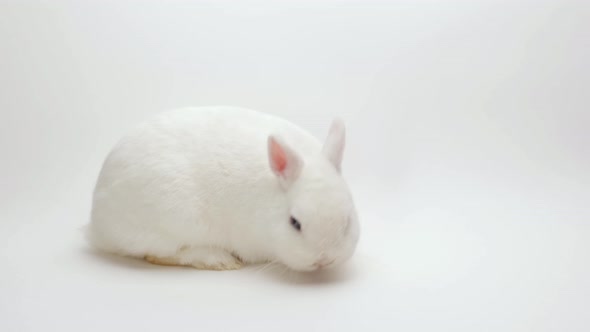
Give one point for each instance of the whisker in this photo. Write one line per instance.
(263, 267)
(266, 266)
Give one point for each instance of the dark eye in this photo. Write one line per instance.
(295, 224)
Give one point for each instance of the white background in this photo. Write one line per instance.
(468, 154)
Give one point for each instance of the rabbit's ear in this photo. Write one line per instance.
(284, 162)
(334, 145)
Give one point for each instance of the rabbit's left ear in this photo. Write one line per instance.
(334, 145)
(284, 162)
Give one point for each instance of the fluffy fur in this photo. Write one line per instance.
(216, 187)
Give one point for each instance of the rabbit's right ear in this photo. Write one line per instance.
(334, 145)
(284, 162)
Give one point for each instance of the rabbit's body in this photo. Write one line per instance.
(194, 187)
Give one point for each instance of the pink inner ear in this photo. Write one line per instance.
(279, 157)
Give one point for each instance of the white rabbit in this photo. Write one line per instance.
(217, 187)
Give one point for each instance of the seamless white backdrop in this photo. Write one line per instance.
(467, 154)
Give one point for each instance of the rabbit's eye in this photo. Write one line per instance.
(295, 224)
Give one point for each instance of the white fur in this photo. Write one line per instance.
(201, 178)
